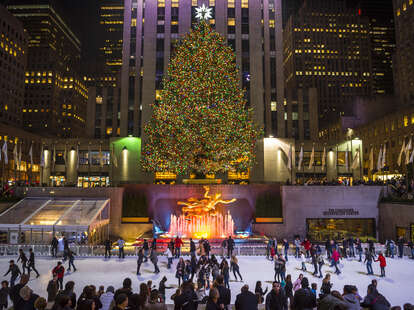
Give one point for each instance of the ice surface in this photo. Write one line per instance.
(397, 286)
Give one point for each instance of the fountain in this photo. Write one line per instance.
(202, 218)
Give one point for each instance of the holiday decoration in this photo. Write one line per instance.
(201, 122)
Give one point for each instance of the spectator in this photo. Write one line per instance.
(276, 299)
(246, 300)
(107, 298)
(304, 299)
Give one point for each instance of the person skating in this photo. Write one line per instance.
(371, 247)
(307, 245)
(140, 260)
(277, 268)
(145, 247)
(276, 298)
(225, 270)
(108, 248)
(328, 247)
(65, 248)
(268, 247)
(230, 247)
(71, 257)
(54, 246)
(351, 246)
(335, 260)
(121, 244)
(170, 257)
(179, 274)
(297, 247)
(410, 245)
(359, 249)
(23, 259)
(59, 270)
(282, 268)
(315, 264)
(303, 261)
(400, 245)
(234, 265)
(193, 263)
(368, 260)
(246, 300)
(321, 262)
(344, 248)
(178, 243)
(14, 271)
(192, 247)
(383, 263)
(286, 248)
(154, 260)
(31, 263)
(154, 244)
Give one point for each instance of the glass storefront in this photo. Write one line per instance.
(323, 229)
(57, 180)
(93, 181)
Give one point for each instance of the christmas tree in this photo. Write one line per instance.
(200, 122)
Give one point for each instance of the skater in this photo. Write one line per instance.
(235, 267)
(31, 264)
(225, 270)
(207, 247)
(268, 247)
(140, 260)
(145, 247)
(230, 247)
(121, 244)
(193, 264)
(179, 274)
(335, 260)
(277, 268)
(23, 258)
(328, 246)
(154, 260)
(65, 248)
(371, 247)
(171, 246)
(59, 270)
(368, 260)
(259, 292)
(400, 245)
(320, 264)
(54, 246)
(297, 247)
(282, 263)
(315, 264)
(170, 257)
(351, 245)
(178, 243)
(108, 248)
(344, 248)
(303, 260)
(192, 247)
(14, 271)
(383, 263)
(411, 247)
(4, 294)
(307, 245)
(71, 257)
(286, 248)
(359, 249)
(154, 244)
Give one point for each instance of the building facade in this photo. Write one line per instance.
(111, 19)
(404, 56)
(55, 95)
(13, 60)
(327, 46)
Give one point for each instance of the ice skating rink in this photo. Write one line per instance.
(397, 286)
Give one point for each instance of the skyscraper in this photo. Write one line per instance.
(13, 59)
(55, 96)
(404, 56)
(111, 19)
(327, 46)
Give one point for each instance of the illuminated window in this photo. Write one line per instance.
(398, 12)
(273, 106)
(175, 3)
(231, 22)
(230, 4)
(99, 100)
(404, 6)
(412, 119)
(212, 2)
(405, 121)
(194, 2)
(245, 4)
(133, 22)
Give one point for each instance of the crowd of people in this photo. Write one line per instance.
(203, 278)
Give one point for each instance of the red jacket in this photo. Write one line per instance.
(335, 255)
(381, 260)
(60, 271)
(306, 244)
(272, 251)
(178, 242)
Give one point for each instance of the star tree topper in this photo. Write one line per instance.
(204, 12)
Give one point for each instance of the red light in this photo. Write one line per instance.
(359, 12)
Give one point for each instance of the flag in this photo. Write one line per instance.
(289, 165)
(20, 156)
(312, 158)
(42, 157)
(384, 156)
(89, 155)
(379, 162)
(4, 149)
(31, 156)
(355, 162)
(101, 161)
(54, 157)
(401, 153)
(300, 157)
(15, 156)
(324, 158)
(346, 158)
(65, 154)
(371, 159)
(114, 159)
(77, 156)
(407, 151)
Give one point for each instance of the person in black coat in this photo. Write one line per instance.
(212, 300)
(230, 247)
(15, 272)
(276, 299)
(145, 247)
(225, 294)
(154, 244)
(304, 298)
(188, 297)
(140, 260)
(246, 300)
(31, 264)
(108, 246)
(23, 259)
(54, 245)
(192, 247)
(259, 292)
(15, 290)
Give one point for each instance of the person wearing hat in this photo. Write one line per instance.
(107, 298)
(15, 272)
(304, 298)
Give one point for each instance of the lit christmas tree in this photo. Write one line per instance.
(200, 123)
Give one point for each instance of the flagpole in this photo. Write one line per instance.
(360, 163)
(291, 165)
(303, 167)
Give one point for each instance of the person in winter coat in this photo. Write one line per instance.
(230, 247)
(180, 271)
(121, 245)
(170, 257)
(289, 289)
(108, 248)
(31, 263)
(303, 261)
(59, 270)
(54, 245)
(192, 247)
(335, 260)
(193, 263)
(162, 287)
(359, 249)
(297, 246)
(374, 300)
(276, 299)
(224, 293)
(107, 298)
(315, 264)
(68, 291)
(320, 264)
(326, 286)
(140, 260)
(331, 301)
(246, 300)
(154, 260)
(383, 263)
(212, 300)
(350, 298)
(298, 283)
(304, 298)
(154, 302)
(225, 271)
(23, 259)
(235, 267)
(145, 247)
(4, 294)
(259, 292)
(286, 248)
(178, 243)
(14, 271)
(52, 288)
(71, 257)
(307, 245)
(368, 260)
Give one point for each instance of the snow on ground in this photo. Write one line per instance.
(397, 286)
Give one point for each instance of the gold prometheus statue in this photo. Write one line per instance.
(206, 205)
